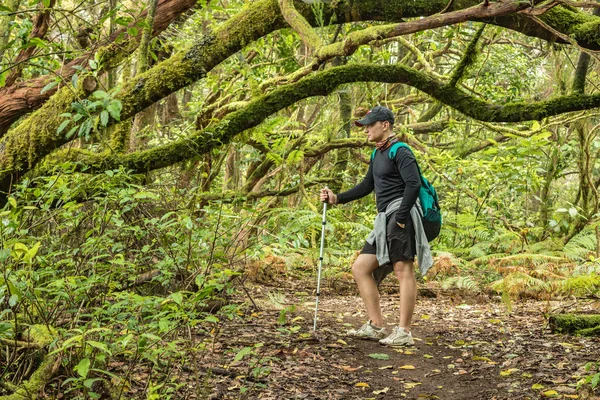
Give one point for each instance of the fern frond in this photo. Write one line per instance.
(581, 285)
(461, 282)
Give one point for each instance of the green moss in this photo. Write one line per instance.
(572, 323)
(587, 33)
(582, 27)
(42, 335)
(595, 331)
(29, 389)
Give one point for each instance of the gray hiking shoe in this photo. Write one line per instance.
(398, 338)
(367, 331)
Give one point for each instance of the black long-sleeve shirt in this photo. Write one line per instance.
(390, 179)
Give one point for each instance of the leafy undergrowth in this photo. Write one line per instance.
(464, 349)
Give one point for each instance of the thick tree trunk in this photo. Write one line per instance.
(139, 135)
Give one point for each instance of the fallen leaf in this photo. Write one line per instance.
(427, 356)
(347, 368)
(550, 393)
(408, 352)
(379, 356)
(425, 316)
(571, 396)
(362, 384)
(407, 367)
(387, 367)
(411, 385)
(508, 372)
(340, 341)
(382, 391)
(477, 358)
(537, 386)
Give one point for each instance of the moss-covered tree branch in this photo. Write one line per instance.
(36, 137)
(264, 17)
(467, 59)
(319, 84)
(299, 24)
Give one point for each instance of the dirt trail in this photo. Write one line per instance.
(462, 351)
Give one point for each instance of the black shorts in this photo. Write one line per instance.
(400, 241)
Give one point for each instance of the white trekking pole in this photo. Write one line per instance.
(324, 222)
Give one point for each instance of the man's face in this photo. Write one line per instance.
(377, 131)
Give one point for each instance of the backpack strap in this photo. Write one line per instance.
(395, 148)
(373, 154)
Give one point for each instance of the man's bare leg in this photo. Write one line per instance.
(404, 271)
(362, 271)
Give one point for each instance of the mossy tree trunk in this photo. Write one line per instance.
(139, 135)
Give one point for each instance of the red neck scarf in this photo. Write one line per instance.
(384, 144)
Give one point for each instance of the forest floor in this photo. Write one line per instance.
(465, 348)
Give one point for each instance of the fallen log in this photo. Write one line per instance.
(38, 336)
(578, 324)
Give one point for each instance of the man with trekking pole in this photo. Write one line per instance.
(398, 235)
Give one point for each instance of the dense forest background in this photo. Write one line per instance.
(160, 161)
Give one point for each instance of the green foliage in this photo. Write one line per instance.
(461, 282)
(91, 114)
(83, 264)
(593, 378)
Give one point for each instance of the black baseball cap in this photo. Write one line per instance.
(377, 113)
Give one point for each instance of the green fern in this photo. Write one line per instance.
(582, 246)
(461, 282)
(581, 285)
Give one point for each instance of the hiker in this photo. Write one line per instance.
(392, 244)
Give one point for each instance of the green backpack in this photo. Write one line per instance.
(432, 215)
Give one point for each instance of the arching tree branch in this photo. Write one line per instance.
(264, 17)
(319, 84)
(299, 24)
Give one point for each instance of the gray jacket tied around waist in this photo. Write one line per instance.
(379, 236)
